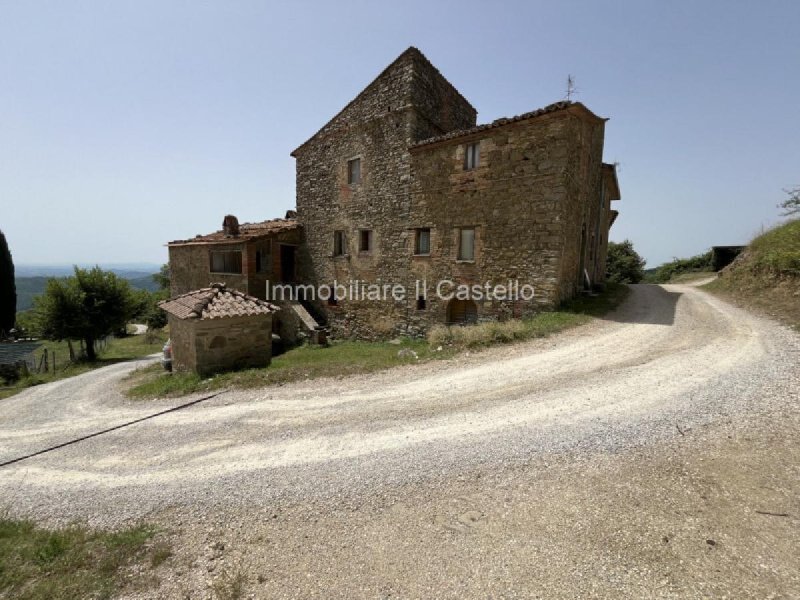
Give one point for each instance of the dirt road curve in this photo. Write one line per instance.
(599, 463)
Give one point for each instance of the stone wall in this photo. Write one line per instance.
(214, 345)
(190, 264)
(581, 209)
(377, 127)
(517, 200)
(184, 357)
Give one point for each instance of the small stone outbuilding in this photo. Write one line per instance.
(219, 329)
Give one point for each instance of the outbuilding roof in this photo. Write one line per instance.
(216, 302)
(247, 232)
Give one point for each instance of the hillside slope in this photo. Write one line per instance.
(766, 276)
(29, 287)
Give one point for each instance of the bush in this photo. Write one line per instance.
(624, 265)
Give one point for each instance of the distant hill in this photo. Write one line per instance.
(126, 270)
(29, 286)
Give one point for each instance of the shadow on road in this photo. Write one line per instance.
(647, 304)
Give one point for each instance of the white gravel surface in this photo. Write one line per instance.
(671, 361)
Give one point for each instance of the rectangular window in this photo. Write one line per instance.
(472, 156)
(365, 240)
(226, 262)
(466, 244)
(262, 261)
(338, 243)
(354, 171)
(422, 244)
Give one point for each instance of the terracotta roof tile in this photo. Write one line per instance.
(247, 232)
(216, 302)
(551, 108)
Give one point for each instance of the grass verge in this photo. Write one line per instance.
(351, 357)
(576, 312)
(117, 350)
(70, 562)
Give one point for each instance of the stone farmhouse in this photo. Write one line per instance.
(403, 187)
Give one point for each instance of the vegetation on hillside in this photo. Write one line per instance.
(766, 276)
(701, 263)
(28, 287)
(8, 293)
(624, 265)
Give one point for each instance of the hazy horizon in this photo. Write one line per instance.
(127, 125)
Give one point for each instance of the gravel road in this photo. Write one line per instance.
(446, 479)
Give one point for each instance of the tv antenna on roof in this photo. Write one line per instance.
(571, 89)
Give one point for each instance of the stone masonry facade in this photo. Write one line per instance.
(402, 187)
(537, 202)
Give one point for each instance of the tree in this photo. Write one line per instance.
(162, 277)
(88, 306)
(624, 265)
(791, 205)
(8, 289)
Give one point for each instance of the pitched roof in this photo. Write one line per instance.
(247, 232)
(550, 108)
(411, 51)
(216, 302)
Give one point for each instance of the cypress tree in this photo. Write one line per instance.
(8, 289)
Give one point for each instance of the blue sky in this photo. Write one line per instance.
(124, 125)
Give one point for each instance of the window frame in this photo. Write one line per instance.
(263, 259)
(417, 237)
(339, 243)
(354, 174)
(225, 265)
(472, 156)
(460, 255)
(369, 238)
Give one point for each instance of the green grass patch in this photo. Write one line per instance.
(341, 358)
(777, 249)
(344, 358)
(116, 350)
(70, 562)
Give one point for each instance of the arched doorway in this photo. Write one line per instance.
(461, 312)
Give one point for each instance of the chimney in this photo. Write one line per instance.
(230, 225)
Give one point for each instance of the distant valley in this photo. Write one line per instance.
(31, 280)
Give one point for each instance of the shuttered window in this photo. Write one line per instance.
(338, 243)
(354, 171)
(226, 262)
(466, 245)
(472, 156)
(422, 245)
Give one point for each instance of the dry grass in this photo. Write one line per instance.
(577, 312)
(766, 276)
